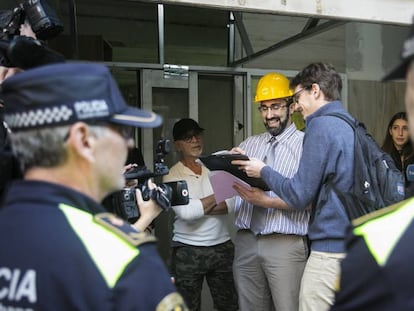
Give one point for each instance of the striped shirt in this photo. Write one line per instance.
(287, 151)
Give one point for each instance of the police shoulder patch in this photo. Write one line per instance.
(380, 213)
(172, 302)
(123, 229)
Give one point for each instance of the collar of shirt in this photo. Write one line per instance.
(285, 135)
(334, 106)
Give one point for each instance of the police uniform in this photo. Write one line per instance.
(378, 272)
(63, 252)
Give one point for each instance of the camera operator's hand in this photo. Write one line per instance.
(130, 182)
(6, 72)
(26, 30)
(149, 210)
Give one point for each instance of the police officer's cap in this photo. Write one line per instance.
(65, 93)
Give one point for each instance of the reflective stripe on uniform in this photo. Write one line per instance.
(110, 253)
(381, 234)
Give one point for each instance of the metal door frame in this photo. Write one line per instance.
(151, 78)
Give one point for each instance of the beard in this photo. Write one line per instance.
(274, 131)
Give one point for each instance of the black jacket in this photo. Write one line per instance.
(377, 274)
(395, 155)
(61, 251)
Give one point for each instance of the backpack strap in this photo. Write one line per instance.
(352, 123)
(328, 182)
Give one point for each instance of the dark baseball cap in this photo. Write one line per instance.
(184, 126)
(66, 93)
(407, 54)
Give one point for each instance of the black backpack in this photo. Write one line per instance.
(377, 181)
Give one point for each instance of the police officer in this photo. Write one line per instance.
(60, 250)
(377, 273)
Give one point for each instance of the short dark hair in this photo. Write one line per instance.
(322, 74)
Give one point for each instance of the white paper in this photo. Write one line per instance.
(221, 152)
(222, 184)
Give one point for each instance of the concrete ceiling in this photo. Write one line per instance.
(398, 12)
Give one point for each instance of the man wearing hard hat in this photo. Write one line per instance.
(270, 244)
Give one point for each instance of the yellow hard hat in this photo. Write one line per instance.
(272, 86)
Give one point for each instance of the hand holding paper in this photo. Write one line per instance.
(252, 167)
(254, 196)
(223, 162)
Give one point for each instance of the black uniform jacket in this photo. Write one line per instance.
(59, 250)
(377, 273)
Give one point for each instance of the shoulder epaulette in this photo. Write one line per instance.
(123, 229)
(380, 213)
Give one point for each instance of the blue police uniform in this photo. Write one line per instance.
(61, 251)
(377, 273)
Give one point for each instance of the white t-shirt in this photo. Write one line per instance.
(191, 226)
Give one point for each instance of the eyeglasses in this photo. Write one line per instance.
(295, 97)
(189, 137)
(273, 107)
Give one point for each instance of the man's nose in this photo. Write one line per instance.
(297, 107)
(269, 112)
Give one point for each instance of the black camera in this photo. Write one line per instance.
(41, 17)
(26, 52)
(124, 202)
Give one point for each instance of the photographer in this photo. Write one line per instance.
(20, 49)
(24, 32)
(71, 130)
(9, 170)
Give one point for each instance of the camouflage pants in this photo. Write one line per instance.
(191, 264)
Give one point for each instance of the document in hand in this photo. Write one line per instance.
(222, 162)
(222, 184)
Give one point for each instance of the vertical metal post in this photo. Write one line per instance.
(73, 29)
(161, 34)
(230, 49)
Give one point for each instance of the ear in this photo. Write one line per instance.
(81, 141)
(316, 90)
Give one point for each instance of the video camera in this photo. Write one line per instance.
(124, 203)
(26, 52)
